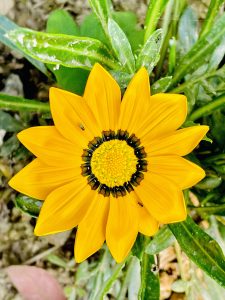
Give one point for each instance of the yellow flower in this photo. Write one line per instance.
(111, 168)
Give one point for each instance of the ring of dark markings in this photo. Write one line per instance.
(136, 178)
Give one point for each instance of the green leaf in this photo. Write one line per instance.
(149, 289)
(60, 49)
(8, 123)
(149, 54)
(121, 46)
(218, 210)
(202, 49)
(57, 261)
(187, 30)
(9, 146)
(6, 26)
(20, 104)
(128, 22)
(102, 9)
(211, 15)
(139, 246)
(209, 183)
(216, 104)
(60, 21)
(70, 79)
(28, 205)
(90, 27)
(217, 122)
(217, 56)
(155, 10)
(172, 55)
(122, 78)
(162, 240)
(161, 85)
(200, 248)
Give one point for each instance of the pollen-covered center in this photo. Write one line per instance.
(114, 162)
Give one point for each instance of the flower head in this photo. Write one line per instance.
(111, 168)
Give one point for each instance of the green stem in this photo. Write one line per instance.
(22, 104)
(208, 109)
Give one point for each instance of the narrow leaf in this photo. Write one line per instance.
(60, 49)
(172, 55)
(218, 210)
(208, 109)
(102, 9)
(187, 30)
(217, 56)
(28, 205)
(200, 248)
(161, 85)
(121, 46)
(202, 49)
(149, 288)
(8, 123)
(155, 10)
(211, 15)
(162, 240)
(128, 22)
(149, 55)
(20, 104)
(5, 26)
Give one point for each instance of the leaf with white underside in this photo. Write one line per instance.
(61, 49)
(121, 46)
(150, 52)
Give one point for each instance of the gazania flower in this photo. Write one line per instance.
(111, 168)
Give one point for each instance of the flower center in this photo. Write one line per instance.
(114, 162)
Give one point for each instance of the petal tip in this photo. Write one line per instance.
(11, 183)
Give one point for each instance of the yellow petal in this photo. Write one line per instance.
(103, 96)
(72, 116)
(147, 225)
(162, 198)
(122, 226)
(64, 208)
(180, 142)
(37, 180)
(181, 171)
(91, 230)
(136, 102)
(167, 113)
(49, 146)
